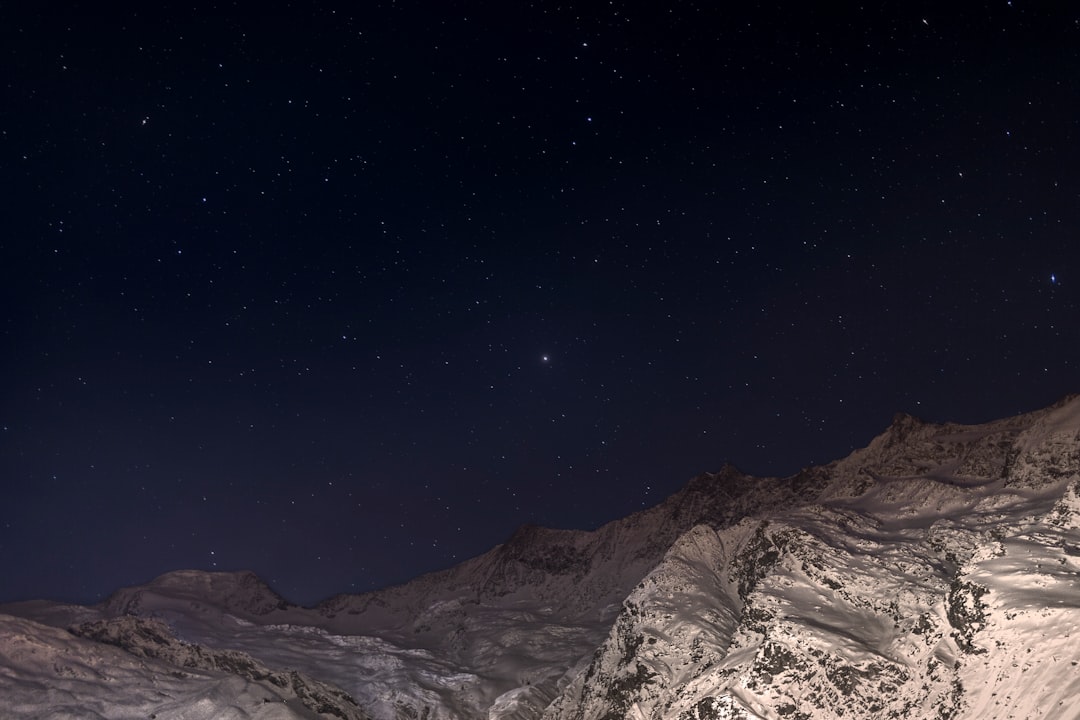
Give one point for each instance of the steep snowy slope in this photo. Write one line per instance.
(511, 622)
(935, 577)
(933, 574)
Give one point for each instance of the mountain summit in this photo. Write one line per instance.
(934, 573)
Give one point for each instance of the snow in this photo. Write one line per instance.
(47, 669)
(934, 573)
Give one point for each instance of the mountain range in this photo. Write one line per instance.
(934, 573)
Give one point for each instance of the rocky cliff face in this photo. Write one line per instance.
(933, 574)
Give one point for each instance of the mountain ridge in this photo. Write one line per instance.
(890, 583)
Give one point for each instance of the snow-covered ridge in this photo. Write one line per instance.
(934, 573)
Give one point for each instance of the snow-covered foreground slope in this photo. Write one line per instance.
(933, 574)
(131, 668)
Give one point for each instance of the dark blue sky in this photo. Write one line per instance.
(343, 295)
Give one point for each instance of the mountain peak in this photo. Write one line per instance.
(239, 592)
(904, 419)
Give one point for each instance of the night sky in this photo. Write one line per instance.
(346, 295)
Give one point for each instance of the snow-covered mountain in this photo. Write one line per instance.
(933, 574)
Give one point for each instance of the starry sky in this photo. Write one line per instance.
(344, 294)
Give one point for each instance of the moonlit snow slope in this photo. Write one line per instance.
(933, 574)
(46, 672)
